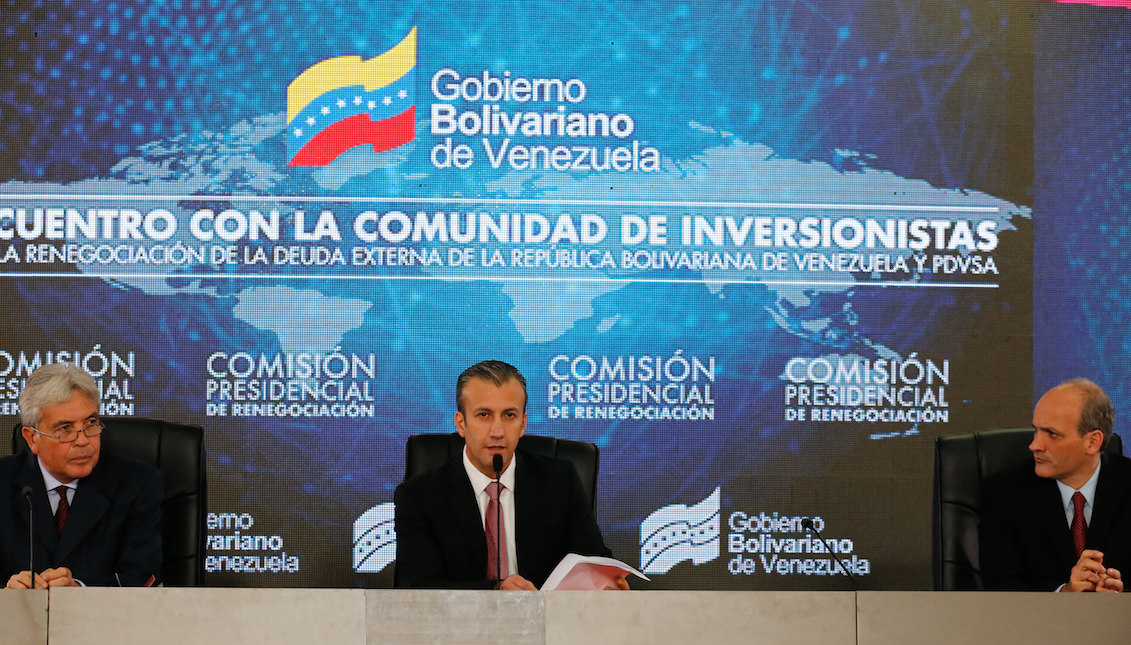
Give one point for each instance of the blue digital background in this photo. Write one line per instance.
(1083, 149)
(936, 94)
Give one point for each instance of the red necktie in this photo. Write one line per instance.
(493, 519)
(63, 509)
(1079, 528)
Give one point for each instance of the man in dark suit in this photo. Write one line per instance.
(442, 516)
(1064, 522)
(97, 517)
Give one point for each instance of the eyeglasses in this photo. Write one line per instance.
(69, 432)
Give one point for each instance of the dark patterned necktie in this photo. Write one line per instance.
(63, 509)
(492, 520)
(1079, 528)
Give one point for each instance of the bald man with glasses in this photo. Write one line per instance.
(97, 518)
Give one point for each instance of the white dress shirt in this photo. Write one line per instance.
(51, 483)
(479, 483)
(1088, 490)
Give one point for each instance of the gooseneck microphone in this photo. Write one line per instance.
(497, 464)
(27, 493)
(807, 524)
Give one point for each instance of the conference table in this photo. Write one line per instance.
(358, 616)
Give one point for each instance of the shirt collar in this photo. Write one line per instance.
(49, 480)
(479, 481)
(1088, 490)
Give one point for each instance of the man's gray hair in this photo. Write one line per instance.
(1097, 412)
(51, 385)
(496, 372)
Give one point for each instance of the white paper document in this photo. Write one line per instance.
(587, 573)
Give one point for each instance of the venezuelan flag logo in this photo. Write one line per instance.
(344, 102)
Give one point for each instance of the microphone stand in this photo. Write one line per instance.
(807, 524)
(497, 463)
(27, 492)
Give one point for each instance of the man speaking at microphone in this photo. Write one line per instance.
(93, 519)
(448, 520)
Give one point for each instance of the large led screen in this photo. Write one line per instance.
(759, 253)
(1082, 272)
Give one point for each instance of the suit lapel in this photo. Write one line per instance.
(87, 508)
(1111, 495)
(1049, 514)
(527, 499)
(464, 511)
(45, 531)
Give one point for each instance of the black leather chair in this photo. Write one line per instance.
(423, 452)
(961, 463)
(177, 450)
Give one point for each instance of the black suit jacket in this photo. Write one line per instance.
(1024, 540)
(113, 531)
(440, 537)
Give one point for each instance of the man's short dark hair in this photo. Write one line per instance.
(496, 372)
(1097, 412)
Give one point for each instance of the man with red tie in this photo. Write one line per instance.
(448, 522)
(1062, 523)
(97, 518)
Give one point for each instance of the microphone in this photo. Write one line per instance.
(497, 464)
(27, 493)
(807, 524)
